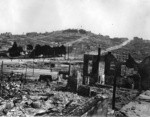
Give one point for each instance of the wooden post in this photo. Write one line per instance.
(54, 54)
(68, 52)
(26, 74)
(69, 69)
(78, 78)
(49, 65)
(74, 53)
(33, 66)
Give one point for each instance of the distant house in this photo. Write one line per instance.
(142, 78)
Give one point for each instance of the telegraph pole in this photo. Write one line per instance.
(26, 74)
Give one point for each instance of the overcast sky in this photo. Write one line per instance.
(122, 18)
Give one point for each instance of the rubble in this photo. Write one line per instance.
(40, 100)
(65, 97)
(84, 90)
(36, 99)
(138, 107)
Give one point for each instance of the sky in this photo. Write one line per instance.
(116, 18)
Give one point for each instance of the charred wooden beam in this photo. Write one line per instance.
(79, 111)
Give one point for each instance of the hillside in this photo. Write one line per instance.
(137, 47)
(80, 41)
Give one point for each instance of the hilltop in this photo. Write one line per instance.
(80, 41)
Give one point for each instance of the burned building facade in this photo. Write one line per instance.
(129, 72)
(97, 66)
(144, 71)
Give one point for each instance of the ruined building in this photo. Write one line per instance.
(96, 66)
(144, 71)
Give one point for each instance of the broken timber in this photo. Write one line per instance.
(81, 110)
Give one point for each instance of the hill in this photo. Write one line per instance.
(137, 47)
(80, 41)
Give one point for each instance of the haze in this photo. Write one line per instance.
(116, 18)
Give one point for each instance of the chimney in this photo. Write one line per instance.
(98, 59)
(99, 53)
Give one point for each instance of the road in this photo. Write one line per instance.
(112, 48)
(78, 40)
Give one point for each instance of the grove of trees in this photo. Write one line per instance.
(48, 51)
(29, 47)
(44, 50)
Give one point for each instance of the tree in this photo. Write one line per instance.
(63, 50)
(48, 51)
(14, 45)
(15, 50)
(38, 50)
(29, 47)
(45, 50)
(82, 31)
(20, 49)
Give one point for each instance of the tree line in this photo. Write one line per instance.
(48, 51)
(39, 50)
